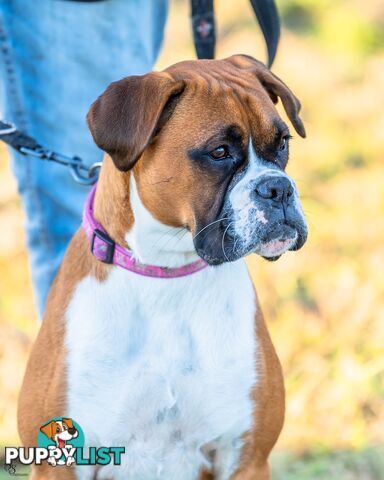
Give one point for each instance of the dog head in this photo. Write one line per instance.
(208, 151)
(60, 431)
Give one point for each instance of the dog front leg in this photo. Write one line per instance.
(252, 471)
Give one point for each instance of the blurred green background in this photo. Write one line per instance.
(324, 304)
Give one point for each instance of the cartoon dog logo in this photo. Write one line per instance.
(61, 432)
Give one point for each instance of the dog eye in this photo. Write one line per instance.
(219, 153)
(58, 429)
(284, 142)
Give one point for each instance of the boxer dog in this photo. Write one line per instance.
(153, 337)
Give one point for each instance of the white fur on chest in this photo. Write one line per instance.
(164, 367)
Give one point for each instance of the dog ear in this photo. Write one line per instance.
(124, 119)
(48, 429)
(274, 87)
(68, 422)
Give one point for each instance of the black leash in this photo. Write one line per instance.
(268, 18)
(204, 37)
(203, 27)
(26, 145)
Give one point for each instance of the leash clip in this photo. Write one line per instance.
(26, 145)
(90, 175)
(7, 128)
(80, 173)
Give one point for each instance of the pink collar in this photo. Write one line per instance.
(106, 250)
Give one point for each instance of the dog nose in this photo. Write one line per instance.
(276, 188)
(72, 431)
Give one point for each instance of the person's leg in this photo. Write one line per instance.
(56, 57)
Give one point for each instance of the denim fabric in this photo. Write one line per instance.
(56, 57)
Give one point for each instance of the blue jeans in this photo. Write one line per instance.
(56, 57)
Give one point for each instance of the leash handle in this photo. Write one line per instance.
(203, 27)
(26, 145)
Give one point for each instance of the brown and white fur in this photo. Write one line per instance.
(181, 371)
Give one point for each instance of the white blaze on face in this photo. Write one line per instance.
(248, 216)
(242, 198)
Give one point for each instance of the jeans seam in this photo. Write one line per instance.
(21, 122)
(11, 78)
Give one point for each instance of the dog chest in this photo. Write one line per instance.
(164, 368)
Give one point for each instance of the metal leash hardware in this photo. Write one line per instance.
(26, 145)
(80, 172)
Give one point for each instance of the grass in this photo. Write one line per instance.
(342, 465)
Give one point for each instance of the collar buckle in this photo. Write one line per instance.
(102, 246)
